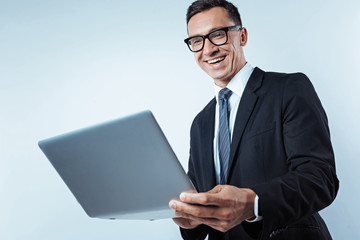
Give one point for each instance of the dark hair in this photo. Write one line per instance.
(202, 5)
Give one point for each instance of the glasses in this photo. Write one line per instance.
(217, 37)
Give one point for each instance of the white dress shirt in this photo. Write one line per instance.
(237, 86)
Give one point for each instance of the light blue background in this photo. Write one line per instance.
(69, 64)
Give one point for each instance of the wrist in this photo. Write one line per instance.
(250, 213)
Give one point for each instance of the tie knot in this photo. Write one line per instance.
(224, 94)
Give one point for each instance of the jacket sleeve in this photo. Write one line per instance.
(310, 183)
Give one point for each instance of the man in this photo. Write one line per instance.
(261, 157)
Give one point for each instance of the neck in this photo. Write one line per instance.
(225, 81)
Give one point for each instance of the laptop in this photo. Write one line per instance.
(121, 169)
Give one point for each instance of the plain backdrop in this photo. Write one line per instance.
(69, 64)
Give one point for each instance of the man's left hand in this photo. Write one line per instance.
(222, 208)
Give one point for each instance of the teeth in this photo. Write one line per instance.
(216, 60)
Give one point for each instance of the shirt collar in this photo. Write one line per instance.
(238, 83)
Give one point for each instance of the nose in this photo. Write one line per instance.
(209, 48)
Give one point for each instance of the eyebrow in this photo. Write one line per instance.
(212, 29)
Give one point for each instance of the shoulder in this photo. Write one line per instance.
(287, 78)
(286, 83)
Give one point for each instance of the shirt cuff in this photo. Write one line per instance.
(256, 211)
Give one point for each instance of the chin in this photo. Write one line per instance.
(217, 76)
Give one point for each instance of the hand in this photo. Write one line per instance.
(222, 208)
(186, 223)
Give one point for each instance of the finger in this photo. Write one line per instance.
(186, 223)
(223, 214)
(206, 199)
(190, 217)
(217, 224)
(194, 210)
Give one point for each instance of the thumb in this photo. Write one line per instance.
(217, 189)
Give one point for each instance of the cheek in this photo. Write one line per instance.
(235, 54)
(198, 58)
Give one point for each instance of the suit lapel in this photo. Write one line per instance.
(246, 106)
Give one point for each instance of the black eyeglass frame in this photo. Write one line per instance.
(226, 29)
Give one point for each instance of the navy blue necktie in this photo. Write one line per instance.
(224, 134)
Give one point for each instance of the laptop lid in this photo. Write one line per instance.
(121, 169)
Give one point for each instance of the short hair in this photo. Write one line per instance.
(202, 5)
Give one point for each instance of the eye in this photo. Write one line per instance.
(196, 41)
(218, 34)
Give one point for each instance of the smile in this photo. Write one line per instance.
(216, 60)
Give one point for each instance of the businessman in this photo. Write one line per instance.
(261, 157)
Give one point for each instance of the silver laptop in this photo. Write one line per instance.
(122, 169)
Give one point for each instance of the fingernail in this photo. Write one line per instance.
(173, 205)
(182, 196)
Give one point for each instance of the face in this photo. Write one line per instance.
(220, 62)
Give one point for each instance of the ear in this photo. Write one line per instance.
(244, 36)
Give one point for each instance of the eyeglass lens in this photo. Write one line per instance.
(218, 38)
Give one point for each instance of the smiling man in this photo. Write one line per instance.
(261, 157)
(228, 59)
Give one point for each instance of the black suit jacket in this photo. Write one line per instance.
(281, 149)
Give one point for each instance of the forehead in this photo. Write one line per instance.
(205, 21)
